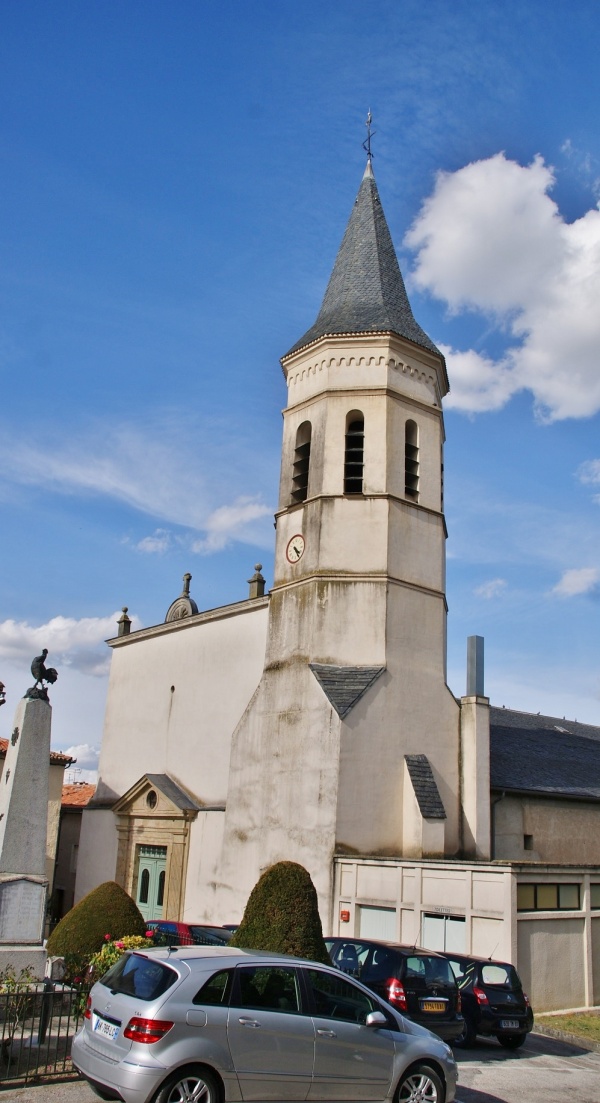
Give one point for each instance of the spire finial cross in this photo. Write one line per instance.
(367, 142)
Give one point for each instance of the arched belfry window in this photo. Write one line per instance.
(301, 463)
(411, 461)
(354, 454)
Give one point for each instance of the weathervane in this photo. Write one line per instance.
(367, 143)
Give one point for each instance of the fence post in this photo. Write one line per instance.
(45, 1011)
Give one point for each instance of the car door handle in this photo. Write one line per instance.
(327, 1033)
(248, 1022)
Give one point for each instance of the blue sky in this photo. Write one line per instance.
(176, 180)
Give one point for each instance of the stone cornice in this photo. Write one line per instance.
(364, 352)
(222, 613)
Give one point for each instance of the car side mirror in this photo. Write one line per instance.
(376, 1018)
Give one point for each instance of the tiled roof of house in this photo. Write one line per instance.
(77, 795)
(366, 292)
(544, 754)
(57, 758)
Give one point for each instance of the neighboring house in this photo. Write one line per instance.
(58, 764)
(315, 724)
(74, 799)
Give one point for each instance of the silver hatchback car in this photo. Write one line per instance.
(213, 1024)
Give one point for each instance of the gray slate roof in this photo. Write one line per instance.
(345, 685)
(173, 792)
(366, 292)
(543, 754)
(426, 791)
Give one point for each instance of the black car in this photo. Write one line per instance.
(418, 983)
(493, 1000)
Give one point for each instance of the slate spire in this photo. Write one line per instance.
(366, 292)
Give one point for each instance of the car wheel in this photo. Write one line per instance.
(420, 1085)
(468, 1035)
(511, 1041)
(189, 1085)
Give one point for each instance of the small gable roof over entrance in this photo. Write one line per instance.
(176, 797)
(531, 753)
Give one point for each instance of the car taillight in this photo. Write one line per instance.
(480, 995)
(526, 998)
(396, 993)
(87, 1014)
(146, 1030)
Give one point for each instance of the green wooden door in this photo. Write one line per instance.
(150, 892)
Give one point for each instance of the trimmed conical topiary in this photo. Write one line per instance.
(106, 910)
(282, 915)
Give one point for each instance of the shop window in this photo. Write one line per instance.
(301, 463)
(595, 896)
(354, 453)
(546, 896)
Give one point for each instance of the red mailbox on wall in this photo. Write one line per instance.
(344, 917)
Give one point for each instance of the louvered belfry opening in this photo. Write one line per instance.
(411, 461)
(354, 454)
(301, 463)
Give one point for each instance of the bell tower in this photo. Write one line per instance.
(350, 744)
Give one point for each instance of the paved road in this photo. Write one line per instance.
(543, 1071)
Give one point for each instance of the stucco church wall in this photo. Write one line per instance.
(202, 898)
(408, 710)
(559, 830)
(97, 856)
(175, 695)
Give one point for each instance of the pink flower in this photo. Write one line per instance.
(107, 938)
(120, 945)
(149, 934)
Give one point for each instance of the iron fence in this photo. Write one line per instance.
(37, 1025)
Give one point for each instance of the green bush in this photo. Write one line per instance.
(105, 914)
(282, 915)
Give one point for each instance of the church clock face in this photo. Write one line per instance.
(295, 548)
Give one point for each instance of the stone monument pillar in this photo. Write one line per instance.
(23, 831)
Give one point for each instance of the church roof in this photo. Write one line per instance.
(366, 292)
(344, 685)
(426, 791)
(531, 753)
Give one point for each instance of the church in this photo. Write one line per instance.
(313, 723)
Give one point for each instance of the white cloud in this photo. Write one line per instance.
(491, 589)
(78, 644)
(85, 767)
(160, 470)
(157, 544)
(235, 522)
(578, 580)
(490, 239)
(589, 473)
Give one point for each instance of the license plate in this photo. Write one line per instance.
(433, 1005)
(108, 1030)
(509, 1024)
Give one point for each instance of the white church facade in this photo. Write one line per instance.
(314, 723)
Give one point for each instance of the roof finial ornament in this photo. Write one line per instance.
(367, 142)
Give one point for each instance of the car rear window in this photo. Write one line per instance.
(139, 976)
(429, 970)
(503, 976)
